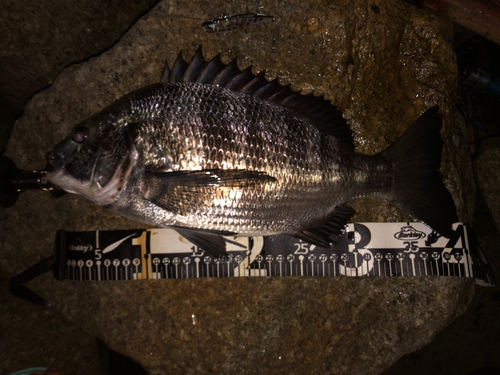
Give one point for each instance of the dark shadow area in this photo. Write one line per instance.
(115, 363)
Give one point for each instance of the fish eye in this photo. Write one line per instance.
(81, 133)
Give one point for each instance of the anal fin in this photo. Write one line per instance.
(329, 232)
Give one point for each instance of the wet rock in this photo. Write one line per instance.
(487, 166)
(274, 325)
(382, 68)
(40, 38)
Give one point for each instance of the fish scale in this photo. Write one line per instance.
(288, 140)
(205, 158)
(287, 150)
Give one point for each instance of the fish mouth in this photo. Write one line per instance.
(58, 174)
(54, 162)
(101, 194)
(54, 171)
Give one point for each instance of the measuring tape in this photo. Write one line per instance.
(364, 249)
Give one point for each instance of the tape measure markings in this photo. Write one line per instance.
(364, 249)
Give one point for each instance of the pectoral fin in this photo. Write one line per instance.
(214, 178)
(186, 192)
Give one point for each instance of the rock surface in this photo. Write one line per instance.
(40, 38)
(33, 336)
(487, 166)
(272, 325)
(383, 64)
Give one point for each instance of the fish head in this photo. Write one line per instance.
(94, 159)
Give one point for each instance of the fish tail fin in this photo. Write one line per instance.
(418, 187)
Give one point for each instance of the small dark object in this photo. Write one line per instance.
(232, 22)
(484, 81)
(115, 363)
(14, 181)
(19, 290)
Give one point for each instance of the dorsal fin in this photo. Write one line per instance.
(325, 115)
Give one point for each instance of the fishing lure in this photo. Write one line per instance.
(232, 22)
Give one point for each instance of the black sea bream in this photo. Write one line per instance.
(213, 150)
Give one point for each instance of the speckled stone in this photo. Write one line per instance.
(286, 325)
(383, 64)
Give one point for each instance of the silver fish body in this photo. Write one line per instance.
(197, 127)
(202, 157)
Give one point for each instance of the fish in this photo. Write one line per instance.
(212, 151)
(228, 22)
